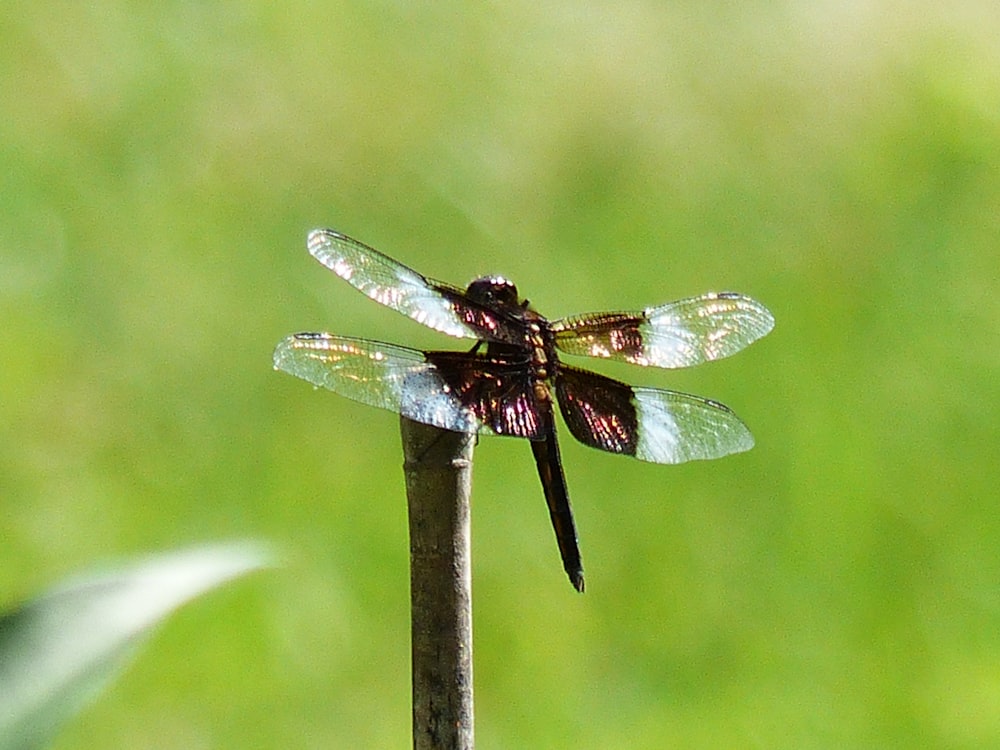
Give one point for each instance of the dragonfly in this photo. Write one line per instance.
(510, 380)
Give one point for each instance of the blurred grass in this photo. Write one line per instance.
(836, 587)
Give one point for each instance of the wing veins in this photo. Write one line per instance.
(677, 334)
(435, 304)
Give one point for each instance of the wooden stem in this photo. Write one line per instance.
(438, 469)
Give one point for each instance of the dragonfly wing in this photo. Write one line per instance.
(678, 334)
(435, 304)
(377, 374)
(456, 391)
(650, 424)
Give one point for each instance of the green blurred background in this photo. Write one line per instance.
(836, 587)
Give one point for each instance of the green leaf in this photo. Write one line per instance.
(59, 650)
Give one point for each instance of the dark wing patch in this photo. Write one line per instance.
(498, 390)
(598, 410)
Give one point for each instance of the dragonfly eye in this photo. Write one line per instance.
(495, 290)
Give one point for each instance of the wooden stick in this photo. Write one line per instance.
(438, 469)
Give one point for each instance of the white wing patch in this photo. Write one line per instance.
(677, 427)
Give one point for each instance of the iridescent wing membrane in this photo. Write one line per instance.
(651, 424)
(467, 392)
(451, 390)
(682, 333)
(436, 304)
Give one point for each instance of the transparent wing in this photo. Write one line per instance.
(435, 304)
(389, 377)
(682, 333)
(678, 427)
(654, 425)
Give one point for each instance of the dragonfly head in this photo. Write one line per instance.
(494, 291)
